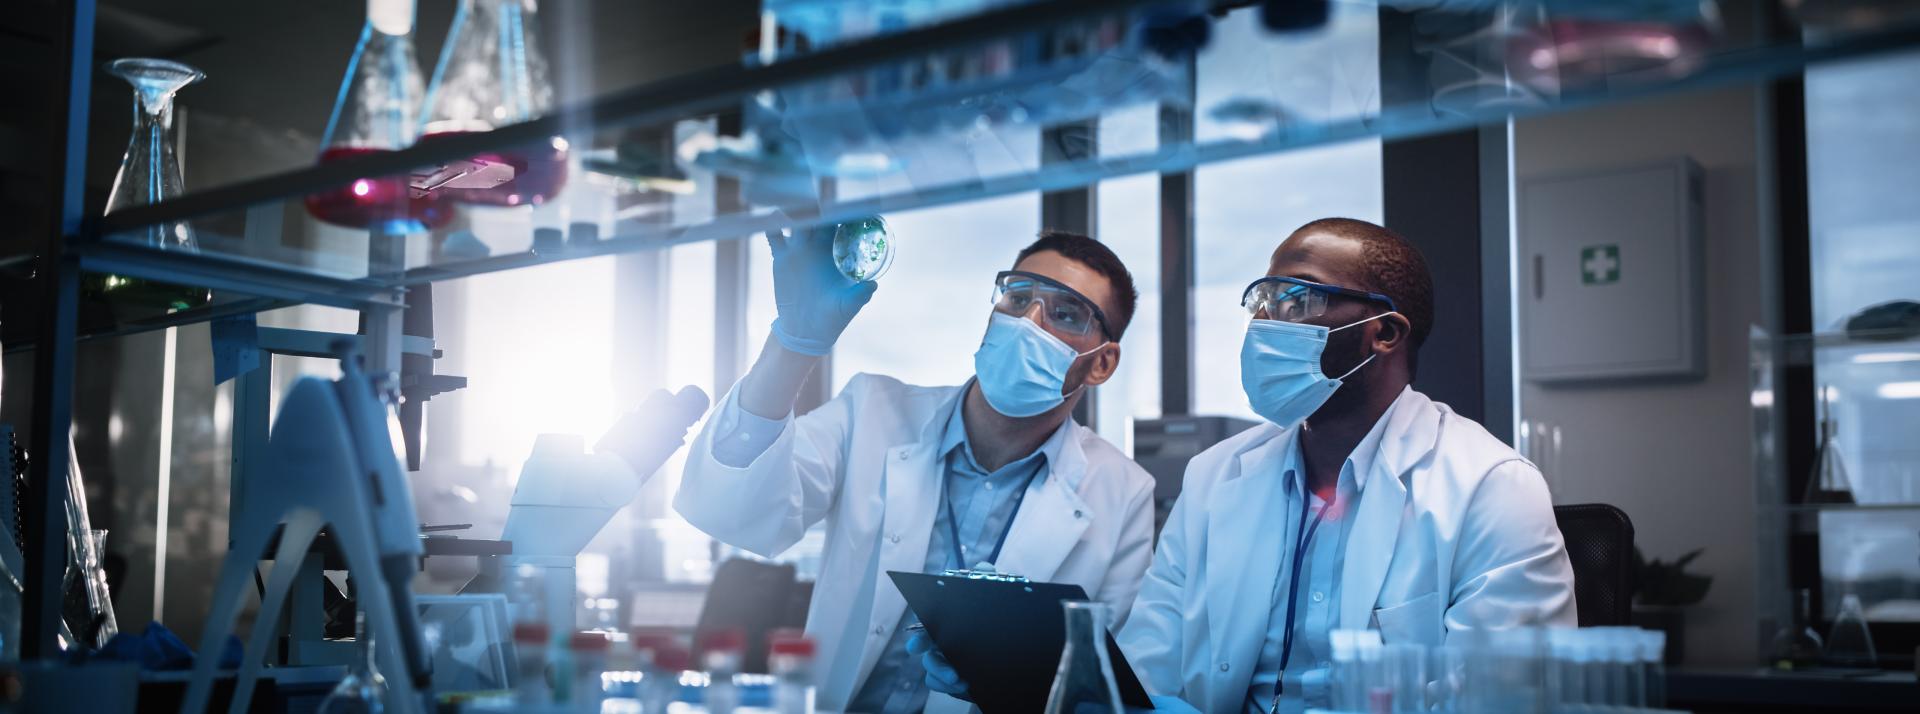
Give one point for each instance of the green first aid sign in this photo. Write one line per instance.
(1600, 265)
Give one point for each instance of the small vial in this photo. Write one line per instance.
(530, 686)
(721, 653)
(589, 649)
(790, 659)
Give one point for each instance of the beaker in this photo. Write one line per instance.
(364, 690)
(377, 111)
(492, 73)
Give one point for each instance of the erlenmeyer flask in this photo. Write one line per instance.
(1849, 643)
(378, 110)
(1084, 683)
(1829, 482)
(364, 691)
(491, 74)
(149, 173)
(151, 170)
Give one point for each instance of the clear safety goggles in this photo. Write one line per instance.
(1293, 300)
(1062, 308)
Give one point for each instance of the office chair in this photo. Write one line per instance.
(1600, 543)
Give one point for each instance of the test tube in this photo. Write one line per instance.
(1406, 670)
(1653, 652)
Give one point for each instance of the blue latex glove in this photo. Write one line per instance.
(941, 676)
(814, 300)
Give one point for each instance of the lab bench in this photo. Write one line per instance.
(1757, 689)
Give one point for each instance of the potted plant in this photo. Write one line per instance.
(1662, 592)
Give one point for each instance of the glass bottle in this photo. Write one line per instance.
(89, 605)
(790, 660)
(149, 173)
(1084, 682)
(376, 111)
(364, 691)
(589, 650)
(1849, 643)
(530, 642)
(721, 654)
(1797, 645)
(492, 73)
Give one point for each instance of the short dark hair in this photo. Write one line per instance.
(1394, 268)
(1100, 259)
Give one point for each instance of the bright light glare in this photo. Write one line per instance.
(1886, 357)
(539, 358)
(1899, 390)
(362, 188)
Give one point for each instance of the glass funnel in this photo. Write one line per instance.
(492, 73)
(376, 111)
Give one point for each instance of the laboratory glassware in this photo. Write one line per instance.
(88, 605)
(790, 656)
(377, 111)
(863, 249)
(364, 691)
(492, 73)
(721, 654)
(149, 173)
(588, 650)
(1796, 645)
(1084, 682)
(1829, 482)
(530, 640)
(1849, 643)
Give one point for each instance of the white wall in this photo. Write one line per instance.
(1677, 457)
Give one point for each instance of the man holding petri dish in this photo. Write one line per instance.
(989, 474)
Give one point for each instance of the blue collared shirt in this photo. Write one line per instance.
(984, 505)
(1317, 612)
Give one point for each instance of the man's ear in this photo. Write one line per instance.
(1104, 363)
(1395, 333)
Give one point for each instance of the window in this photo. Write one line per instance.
(1243, 209)
(1129, 223)
(1863, 160)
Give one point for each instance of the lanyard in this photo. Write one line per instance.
(953, 523)
(1302, 539)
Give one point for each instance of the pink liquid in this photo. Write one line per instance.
(375, 202)
(539, 172)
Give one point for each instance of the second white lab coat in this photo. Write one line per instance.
(1453, 531)
(866, 463)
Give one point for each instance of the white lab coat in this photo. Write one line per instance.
(866, 462)
(1453, 531)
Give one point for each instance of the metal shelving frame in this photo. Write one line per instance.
(83, 244)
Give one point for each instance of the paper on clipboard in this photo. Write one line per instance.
(1004, 636)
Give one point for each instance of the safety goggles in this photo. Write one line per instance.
(1062, 308)
(1293, 300)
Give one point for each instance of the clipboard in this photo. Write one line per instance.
(1005, 637)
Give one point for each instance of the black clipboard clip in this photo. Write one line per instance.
(994, 576)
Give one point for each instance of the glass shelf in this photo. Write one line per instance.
(988, 103)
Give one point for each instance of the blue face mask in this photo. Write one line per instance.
(1280, 369)
(1022, 368)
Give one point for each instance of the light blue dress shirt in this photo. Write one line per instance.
(983, 503)
(1318, 610)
